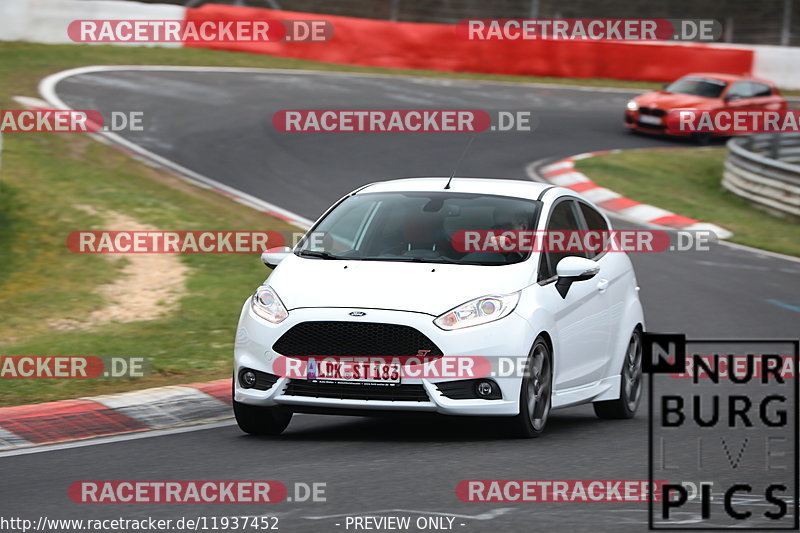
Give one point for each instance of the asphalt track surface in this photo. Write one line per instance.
(219, 124)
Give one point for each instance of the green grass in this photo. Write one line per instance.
(52, 174)
(43, 181)
(8, 211)
(687, 181)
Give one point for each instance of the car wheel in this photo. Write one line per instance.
(257, 420)
(630, 387)
(536, 393)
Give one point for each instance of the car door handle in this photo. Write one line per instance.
(602, 285)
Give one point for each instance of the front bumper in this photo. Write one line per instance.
(509, 337)
(633, 122)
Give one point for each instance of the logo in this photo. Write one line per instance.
(357, 313)
(724, 439)
(663, 353)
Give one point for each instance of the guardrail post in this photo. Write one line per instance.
(786, 28)
(394, 8)
(533, 11)
(775, 146)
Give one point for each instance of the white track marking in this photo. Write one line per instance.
(29, 101)
(720, 232)
(599, 194)
(645, 212)
(144, 434)
(568, 178)
(366, 75)
(47, 89)
(558, 166)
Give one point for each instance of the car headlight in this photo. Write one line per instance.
(478, 311)
(632, 106)
(266, 304)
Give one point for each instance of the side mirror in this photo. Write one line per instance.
(572, 269)
(273, 256)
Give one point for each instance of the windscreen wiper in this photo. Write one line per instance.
(317, 253)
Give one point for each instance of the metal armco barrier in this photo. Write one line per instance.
(765, 169)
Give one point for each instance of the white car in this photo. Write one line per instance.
(378, 277)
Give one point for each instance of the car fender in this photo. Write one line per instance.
(631, 316)
(540, 322)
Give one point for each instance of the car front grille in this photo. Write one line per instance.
(652, 111)
(353, 391)
(362, 339)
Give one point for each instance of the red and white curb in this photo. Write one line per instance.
(564, 174)
(158, 408)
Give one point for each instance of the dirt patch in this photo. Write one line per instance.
(149, 285)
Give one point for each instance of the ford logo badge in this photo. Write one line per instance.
(356, 313)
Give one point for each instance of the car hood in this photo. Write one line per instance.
(665, 100)
(420, 287)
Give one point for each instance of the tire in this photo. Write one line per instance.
(702, 139)
(535, 397)
(257, 420)
(630, 388)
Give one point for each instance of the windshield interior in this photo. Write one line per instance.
(705, 87)
(416, 226)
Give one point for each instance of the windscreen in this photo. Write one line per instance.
(417, 227)
(705, 87)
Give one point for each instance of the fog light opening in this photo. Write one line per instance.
(484, 388)
(248, 379)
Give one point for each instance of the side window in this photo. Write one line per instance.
(740, 89)
(594, 222)
(760, 89)
(562, 218)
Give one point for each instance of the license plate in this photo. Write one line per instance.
(650, 119)
(345, 371)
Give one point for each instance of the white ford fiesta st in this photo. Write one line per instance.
(363, 314)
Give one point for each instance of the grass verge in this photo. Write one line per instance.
(687, 181)
(47, 181)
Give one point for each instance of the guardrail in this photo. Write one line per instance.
(765, 169)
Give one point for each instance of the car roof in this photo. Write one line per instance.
(492, 186)
(728, 78)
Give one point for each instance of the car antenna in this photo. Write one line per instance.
(469, 143)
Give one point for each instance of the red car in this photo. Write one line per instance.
(647, 112)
